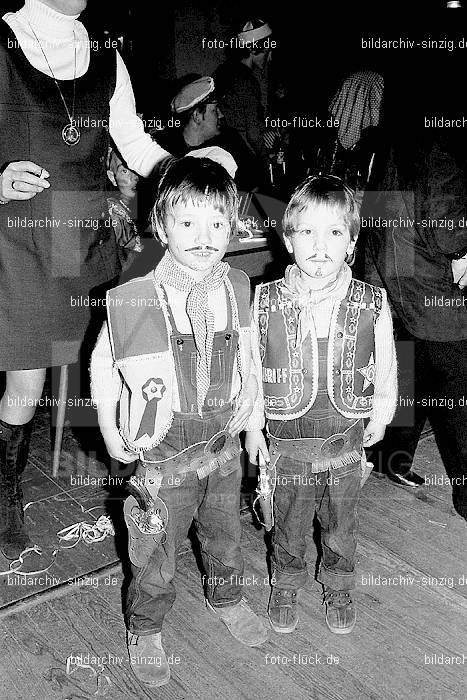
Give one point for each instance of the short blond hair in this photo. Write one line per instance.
(323, 190)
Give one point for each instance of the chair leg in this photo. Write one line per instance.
(62, 398)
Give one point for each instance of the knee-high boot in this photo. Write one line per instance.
(14, 449)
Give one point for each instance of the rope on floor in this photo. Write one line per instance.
(82, 531)
(76, 663)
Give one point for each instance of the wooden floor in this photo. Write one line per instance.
(409, 642)
(53, 504)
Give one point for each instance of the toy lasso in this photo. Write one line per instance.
(73, 663)
(81, 531)
(97, 532)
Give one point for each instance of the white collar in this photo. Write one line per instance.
(47, 23)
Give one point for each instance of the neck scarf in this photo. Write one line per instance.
(200, 315)
(356, 105)
(307, 300)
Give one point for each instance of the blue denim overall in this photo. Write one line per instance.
(299, 492)
(213, 502)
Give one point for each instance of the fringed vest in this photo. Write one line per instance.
(139, 329)
(290, 370)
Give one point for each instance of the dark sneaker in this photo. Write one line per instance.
(340, 612)
(242, 623)
(410, 479)
(147, 659)
(282, 610)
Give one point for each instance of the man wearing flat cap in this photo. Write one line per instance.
(242, 84)
(201, 119)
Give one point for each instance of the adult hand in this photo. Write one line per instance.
(459, 272)
(22, 180)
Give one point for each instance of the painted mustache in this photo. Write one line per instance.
(201, 247)
(314, 258)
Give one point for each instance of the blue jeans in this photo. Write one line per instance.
(214, 505)
(299, 493)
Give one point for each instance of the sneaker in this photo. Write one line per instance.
(340, 612)
(410, 478)
(242, 623)
(282, 610)
(147, 659)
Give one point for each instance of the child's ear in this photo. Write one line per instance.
(351, 247)
(288, 243)
(350, 253)
(112, 178)
(162, 236)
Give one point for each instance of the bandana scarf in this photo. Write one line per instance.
(356, 105)
(200, 315)
(307, 300)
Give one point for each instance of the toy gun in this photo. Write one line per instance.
(147, 512)
(146, 518)
(265, 495)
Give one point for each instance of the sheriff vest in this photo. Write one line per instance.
(290, 371)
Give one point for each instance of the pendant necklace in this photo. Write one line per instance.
(70, 133)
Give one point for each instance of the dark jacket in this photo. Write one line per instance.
(415, 217)
(240, 101)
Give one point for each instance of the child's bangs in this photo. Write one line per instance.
(317, 192)
(195, 182)
(195, 197)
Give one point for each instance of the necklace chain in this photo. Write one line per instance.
(72, 115)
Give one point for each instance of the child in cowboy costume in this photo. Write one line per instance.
(178, 359)
(329, 362)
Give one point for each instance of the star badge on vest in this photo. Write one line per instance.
(152, 390)
(368, 372)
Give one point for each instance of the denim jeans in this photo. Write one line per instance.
(214, 505)
(299, 493)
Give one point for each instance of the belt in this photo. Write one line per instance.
(202, 457)
(317, 449)
(144, 510)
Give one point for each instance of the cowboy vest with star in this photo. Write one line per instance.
(290, 372)
(139, 330)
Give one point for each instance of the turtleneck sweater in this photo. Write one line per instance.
(57, 34)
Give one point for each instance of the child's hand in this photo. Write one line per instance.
(255, 445)
(116, 446)
(374, 432)
(240, 418)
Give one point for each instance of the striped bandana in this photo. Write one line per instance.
(200, 315)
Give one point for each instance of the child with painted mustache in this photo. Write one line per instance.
(329, 362)
(178, 359)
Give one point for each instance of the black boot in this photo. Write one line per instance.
(14, 449)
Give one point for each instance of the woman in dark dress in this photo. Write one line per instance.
(60, 92)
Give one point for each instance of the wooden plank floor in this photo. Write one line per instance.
(58, 503)
(409, 642)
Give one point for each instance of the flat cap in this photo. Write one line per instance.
(218, 155)
(192, 94)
